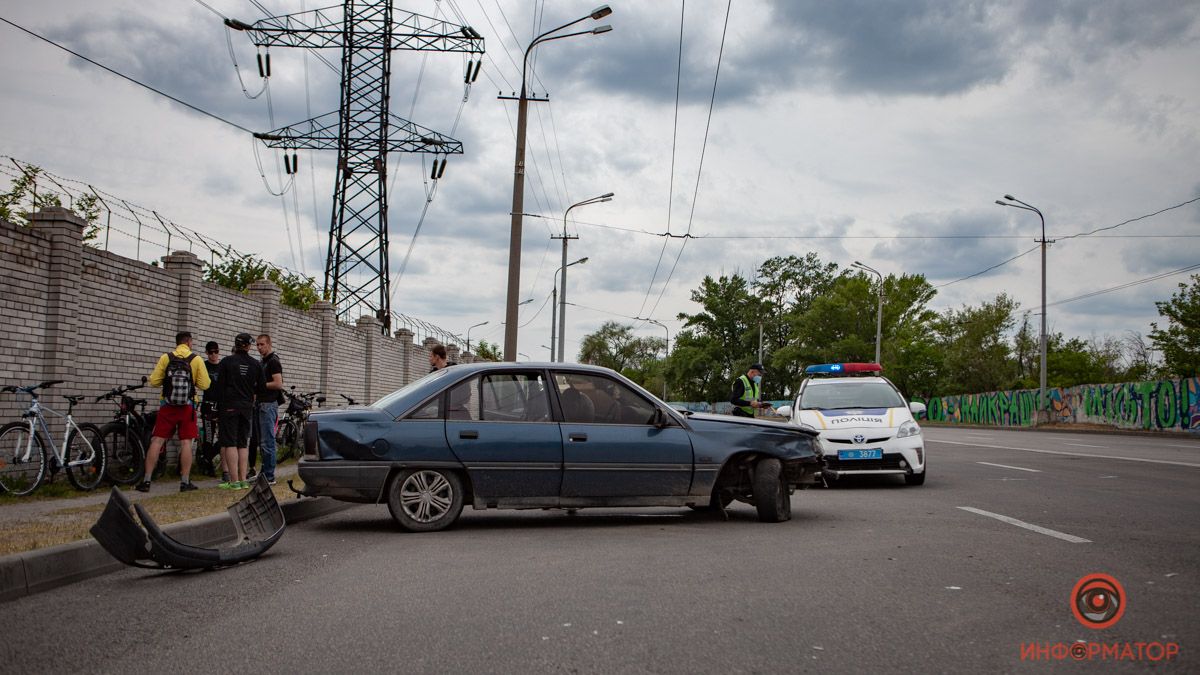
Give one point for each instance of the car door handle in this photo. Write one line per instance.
(468, 434)
(577, 438)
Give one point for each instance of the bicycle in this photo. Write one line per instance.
(289, 436)
(23, 454)
(127, 437)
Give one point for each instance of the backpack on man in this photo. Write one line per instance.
(178, 386)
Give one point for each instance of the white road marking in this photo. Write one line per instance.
(1069, 454)
(1005, 466)
(1085, 445)
(1029, 526)
(1189, 446)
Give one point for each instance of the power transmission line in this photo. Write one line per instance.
(126, 77)
(1130, 284)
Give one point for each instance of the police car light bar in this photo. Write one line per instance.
(838, 368)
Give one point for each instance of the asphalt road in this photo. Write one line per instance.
(872, 576)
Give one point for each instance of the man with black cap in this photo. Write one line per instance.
(747, 392)
(239, 377)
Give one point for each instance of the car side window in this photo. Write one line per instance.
(593, 399)
(430, 411)
(514, 397)
(463, 401)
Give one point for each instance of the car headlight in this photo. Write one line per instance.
(909, 428)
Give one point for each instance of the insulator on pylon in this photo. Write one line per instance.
(261, 72)
(295, 162)
(467, 76)
(433, 172)
(478, 65)
(443, 169)
(287, 164)
(268, 64)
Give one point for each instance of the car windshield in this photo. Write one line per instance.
(838, 395)
(388, 401)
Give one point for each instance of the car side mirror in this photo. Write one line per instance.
(660, 419)
(784, 411)
(916, 408)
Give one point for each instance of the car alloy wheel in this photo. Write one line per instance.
(425, 500)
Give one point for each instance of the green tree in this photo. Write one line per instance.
(615, 346)
(718, 341)
(975, 351)
(487, 351)
(239, 271)
(786, 287)
(1179, 341)
(24, 189)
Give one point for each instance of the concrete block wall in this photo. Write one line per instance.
(97, 320)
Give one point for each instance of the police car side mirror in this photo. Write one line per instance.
(916, 408)
(784, 410)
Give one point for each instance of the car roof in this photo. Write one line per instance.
(485, 366)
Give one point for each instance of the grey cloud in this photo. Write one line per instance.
(943, 259)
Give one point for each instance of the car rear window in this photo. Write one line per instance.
(840, 395)
(396, 402)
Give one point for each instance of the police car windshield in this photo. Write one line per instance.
(843, 394)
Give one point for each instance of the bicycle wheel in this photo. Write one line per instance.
(21, 474)
(126, 454)
(86, 445)
(286, 439)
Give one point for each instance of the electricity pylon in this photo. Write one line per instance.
(363, 131)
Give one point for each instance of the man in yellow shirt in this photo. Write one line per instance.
(180, 373)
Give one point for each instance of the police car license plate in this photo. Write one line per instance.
(874, 453)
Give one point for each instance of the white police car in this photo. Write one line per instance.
(865, 426)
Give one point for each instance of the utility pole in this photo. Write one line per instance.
(561, 296)
(363, 131)
(518, 200)
(1042, 400)
(879, 311)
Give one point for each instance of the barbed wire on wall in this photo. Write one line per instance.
(134, 231)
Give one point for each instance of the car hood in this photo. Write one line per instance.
(853, 418)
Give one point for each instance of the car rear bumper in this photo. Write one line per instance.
(345, 480)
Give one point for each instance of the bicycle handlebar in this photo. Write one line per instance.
(31, 388)
(118, 391)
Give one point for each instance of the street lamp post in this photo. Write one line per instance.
(562, 296)
(666, 351)
(518, 200)
(484, 323)
(554, 306)
(1042, 368)
(879, 313)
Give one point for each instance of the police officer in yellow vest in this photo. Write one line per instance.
(747, 392)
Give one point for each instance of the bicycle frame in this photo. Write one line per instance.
(36, 412)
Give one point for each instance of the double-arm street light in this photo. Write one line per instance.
(518, 200)
(879, 313)
(483, 323)
(1042, 375)
(554, 307)
(666, 351)
(562, 296)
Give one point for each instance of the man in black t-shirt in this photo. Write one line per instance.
(270, 395)
(240, 376)
(210, 450)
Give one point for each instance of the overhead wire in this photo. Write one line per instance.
(671, 177)
(1129, 284)
(700, 169)
(126, 77)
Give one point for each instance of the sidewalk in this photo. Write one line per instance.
(45, 543)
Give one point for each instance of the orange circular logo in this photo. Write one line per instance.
(1098, 600)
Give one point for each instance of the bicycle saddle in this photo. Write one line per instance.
(74, 399)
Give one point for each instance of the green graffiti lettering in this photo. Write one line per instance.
(1145, 396)
(1167, 405)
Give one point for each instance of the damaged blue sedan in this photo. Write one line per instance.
(551, 435)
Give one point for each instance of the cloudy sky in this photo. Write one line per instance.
(846, 128)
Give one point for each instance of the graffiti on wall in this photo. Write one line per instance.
(1158, 405)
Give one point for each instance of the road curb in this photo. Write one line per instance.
(31, 572)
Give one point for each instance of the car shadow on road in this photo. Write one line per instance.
(549, 519)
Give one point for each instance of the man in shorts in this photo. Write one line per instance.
(240, 376)
(180, 373)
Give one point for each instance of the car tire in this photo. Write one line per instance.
(771, 496)
(915, 478)
(425, 500)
